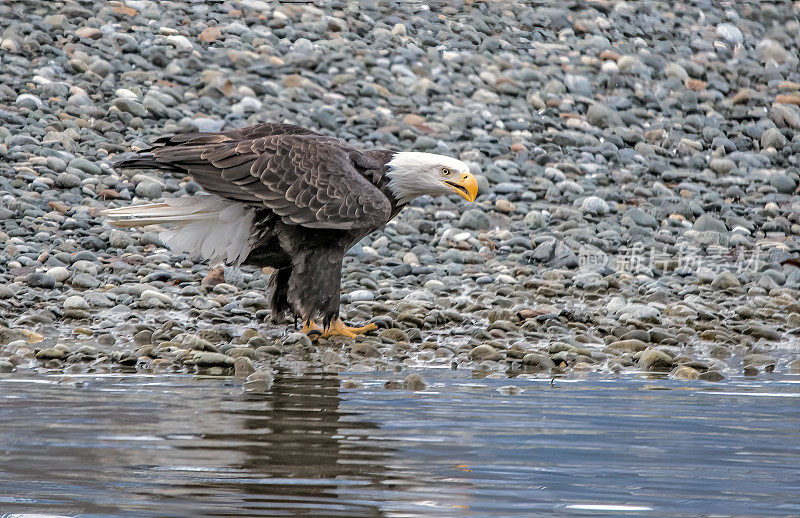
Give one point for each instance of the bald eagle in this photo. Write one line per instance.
(283, 196)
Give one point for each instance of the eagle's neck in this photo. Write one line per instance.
(410, 176)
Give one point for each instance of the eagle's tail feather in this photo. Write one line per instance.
(203, 225)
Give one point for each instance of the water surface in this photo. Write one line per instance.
(134, 445)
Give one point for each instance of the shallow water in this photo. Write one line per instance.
(182, 446)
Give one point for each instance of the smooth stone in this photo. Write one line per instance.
(594, 205)
(638, 217)
(300, 339)
(75, 302)
(414, 383)
(40, 280)
(655, 360)
(474, 219)
(484, 352)
(730, 33)
(602, 116)
(67, 180)
(360, 295)
(119, 239)
(59, 273)
(152, 295)
(684, 372)
(708, 223)
(710, 376)
(783, 183)
(243, 367)
(773, 138)
(537, 361)
(211, 359)
(534, 220)
(130, 106)
(725, 280)
(759, 360)
(85, 281)
(51, 354)
(631, 345)
(85, 165)
(260, 381)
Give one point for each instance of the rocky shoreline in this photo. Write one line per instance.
(638, 167)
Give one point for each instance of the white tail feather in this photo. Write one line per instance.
(204, 225)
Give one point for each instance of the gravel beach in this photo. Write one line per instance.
(637, 163)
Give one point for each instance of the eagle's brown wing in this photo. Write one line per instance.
(306, 178)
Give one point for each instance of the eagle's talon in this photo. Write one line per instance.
(311, 329)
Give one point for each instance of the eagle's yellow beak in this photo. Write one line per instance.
(466, 187)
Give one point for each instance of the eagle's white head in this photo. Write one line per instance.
(418, 174)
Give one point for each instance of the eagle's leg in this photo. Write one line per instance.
(314, 289)
(278, 298)
(314, 286)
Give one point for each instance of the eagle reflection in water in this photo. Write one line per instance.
(292, 454)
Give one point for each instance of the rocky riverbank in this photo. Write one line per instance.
(638, 166)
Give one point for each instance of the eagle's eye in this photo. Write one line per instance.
(446, 171)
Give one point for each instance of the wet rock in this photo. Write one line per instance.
(153, 298)
(484, 352)
(655, 360)
(209, 359)
(710, 375)
(243, 367)
(394, 335)
(364, 350)
(259, 382)
(52, 354)
(630, 345)
(298, 339)
(684, 372)
(759, 361)
(413, 382)
(538, 362)
(393, 385)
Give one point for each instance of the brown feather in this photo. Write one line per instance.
(306, 178)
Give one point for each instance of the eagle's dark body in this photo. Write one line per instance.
(314, 197)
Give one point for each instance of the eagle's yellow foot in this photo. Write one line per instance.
(337, 328)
